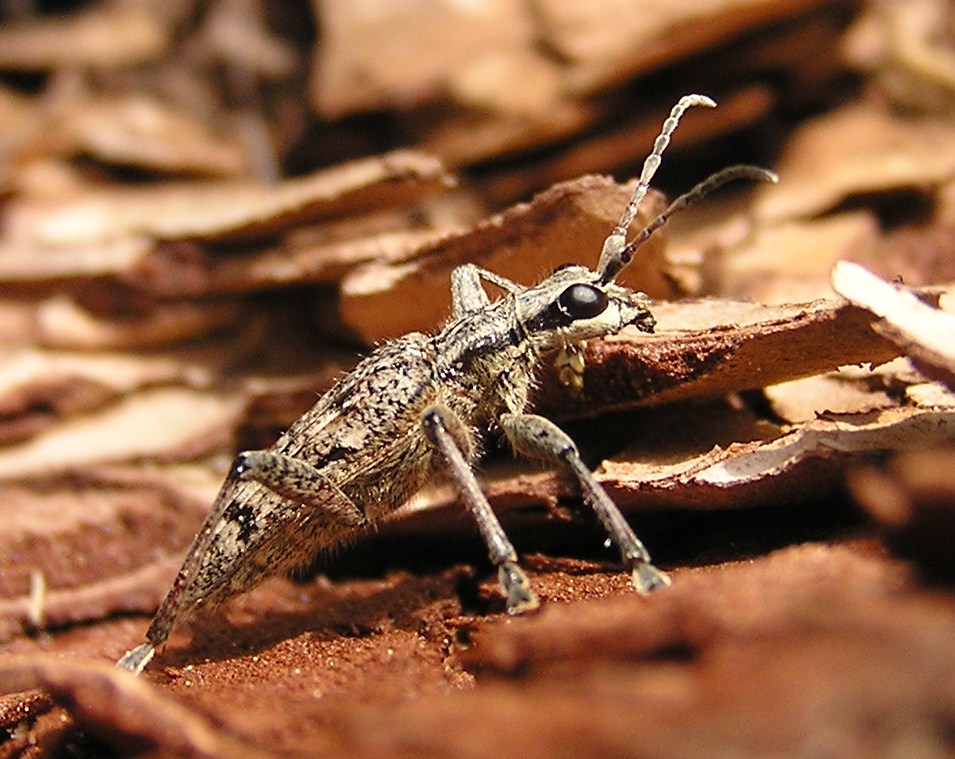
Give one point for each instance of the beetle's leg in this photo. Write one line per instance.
(537, 437)
(467, 293)
(290, 478)
(439, 423)
(298, 481)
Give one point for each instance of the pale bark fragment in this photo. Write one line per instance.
(145, 132)
(857, 149)
(789, 262)
(906, 45)
(216, 209)
(377, 53)
(163, 423)
(488, 83)
(925, 334)
(470, 137)
(111, 35)
(841, 392)
(841, 435)
(61, 322)
(30, 262)
(611, 40)
(37, 388)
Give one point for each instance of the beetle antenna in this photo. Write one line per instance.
(617, 239)
(687, 199)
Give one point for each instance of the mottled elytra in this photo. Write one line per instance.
(419, 408)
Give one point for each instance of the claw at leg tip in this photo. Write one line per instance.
(135, 661)
(522, 601)
(647, 577)
(520, 597)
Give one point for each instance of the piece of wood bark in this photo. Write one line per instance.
(863, 149)
(160, 423)
(384, 54)
(105, 540)
(226, 209)
(925, 334)
(107, 36)
(708, 348)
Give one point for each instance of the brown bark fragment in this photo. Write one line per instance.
(180, 270)
(621, 143)
(109, 36)
(54, 526)
(115, 705)
(227, 209)
(864, 149)
(162, 423)
(143, 132)
(25, 262)
(711, 347)
(61, 322)
(43, 386)
(907, 46)
(383, 54)
(790, 262)
(613, 39)
(912, 498)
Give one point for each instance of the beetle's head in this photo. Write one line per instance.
(572, 304)
(576, 303)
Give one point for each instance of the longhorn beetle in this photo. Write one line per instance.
(419, 407)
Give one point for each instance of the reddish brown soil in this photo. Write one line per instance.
(824, 648)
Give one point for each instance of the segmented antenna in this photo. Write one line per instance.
(617, 239)
(687, 199)
(617, 252)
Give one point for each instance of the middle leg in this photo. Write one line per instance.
(537, 437)
(439, 422)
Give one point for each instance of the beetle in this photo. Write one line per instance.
(421, 407)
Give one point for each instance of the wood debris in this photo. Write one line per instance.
(225, 209)
(208, 212)
(150, 510)
(713, 347)
(911, 499)
(112, 35)
(906, 48)
(864, 149)
(925, 334)
(143, 132)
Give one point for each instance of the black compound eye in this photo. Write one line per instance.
(582, 301)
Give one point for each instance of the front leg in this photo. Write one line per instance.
(467, 293)
(537, 437)
(439, 424)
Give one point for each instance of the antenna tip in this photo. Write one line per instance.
(688, 101)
